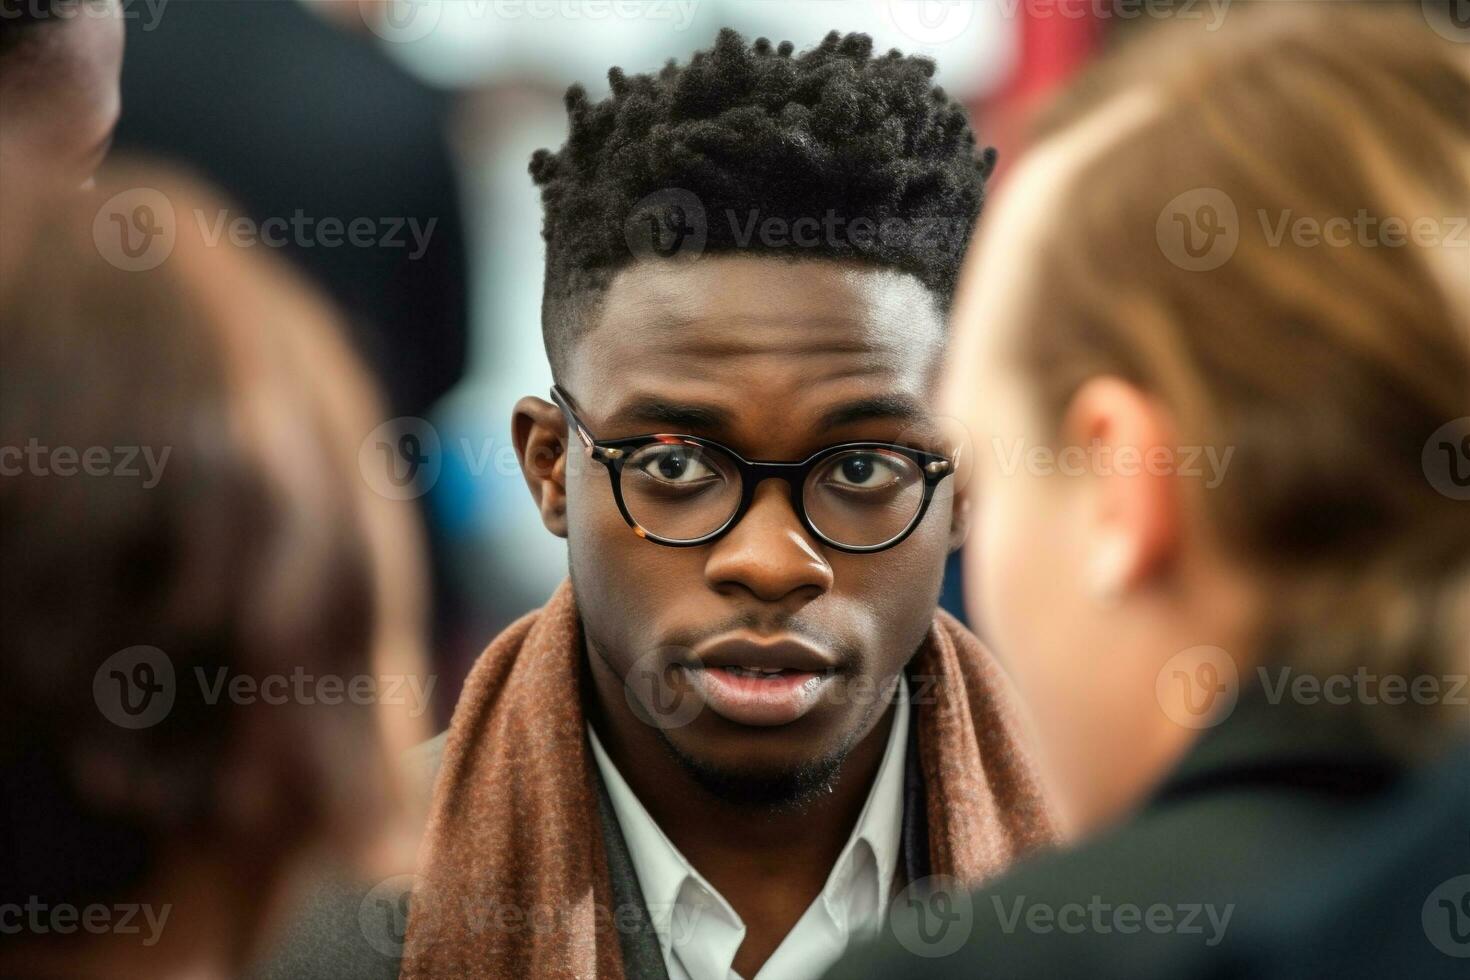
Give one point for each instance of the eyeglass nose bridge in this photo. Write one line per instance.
(794, 475)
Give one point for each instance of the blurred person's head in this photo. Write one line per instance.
(1204, 436)
(757, 248)
(60, 66)
(202, 602)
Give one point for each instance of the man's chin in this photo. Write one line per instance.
(792, 786)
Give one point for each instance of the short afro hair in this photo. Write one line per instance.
(753, 132)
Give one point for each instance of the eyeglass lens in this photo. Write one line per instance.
(683, 491)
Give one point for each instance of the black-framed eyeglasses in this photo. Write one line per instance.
(682, 490)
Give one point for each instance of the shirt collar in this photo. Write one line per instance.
(857, 889)
(879, 830)
(661, 869)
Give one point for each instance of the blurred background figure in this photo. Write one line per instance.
(59, 66)
(295, 113)
(213, 647)
(1227, 301)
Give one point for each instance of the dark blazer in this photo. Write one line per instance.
(1285, 845)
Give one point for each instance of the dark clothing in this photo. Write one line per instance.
(338, 159)
(1284, 845)
(302, 123)
(1403, 879)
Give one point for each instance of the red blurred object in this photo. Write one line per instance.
(1056, 38)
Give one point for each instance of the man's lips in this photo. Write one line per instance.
(760, 682)
(750, 650)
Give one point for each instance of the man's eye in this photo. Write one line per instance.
(865, 471)
(676, 465)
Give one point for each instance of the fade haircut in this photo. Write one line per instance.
(756, 132)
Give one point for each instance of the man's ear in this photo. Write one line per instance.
(959, 520)
(540, 434)
(960, 450)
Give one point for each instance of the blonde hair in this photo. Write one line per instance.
(1326, 367)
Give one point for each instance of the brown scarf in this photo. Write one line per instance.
(513, 873)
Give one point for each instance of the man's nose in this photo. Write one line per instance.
(769, 553)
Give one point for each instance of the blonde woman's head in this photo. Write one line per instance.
(1214, 349)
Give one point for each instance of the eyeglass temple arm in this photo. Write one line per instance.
(575, 424)
(950, 465)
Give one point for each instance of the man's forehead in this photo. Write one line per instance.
(737, 315)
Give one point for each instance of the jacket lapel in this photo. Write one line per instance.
(643, 954)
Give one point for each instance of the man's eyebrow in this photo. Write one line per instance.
(666, 415)
(674, 416)
(887, 407)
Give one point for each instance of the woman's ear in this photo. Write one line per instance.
(1135, 509)
(540, 434)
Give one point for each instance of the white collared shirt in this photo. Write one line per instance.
(699, 931)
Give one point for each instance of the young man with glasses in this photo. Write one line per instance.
(742, 728)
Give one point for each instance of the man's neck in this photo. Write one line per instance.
(769, 863)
